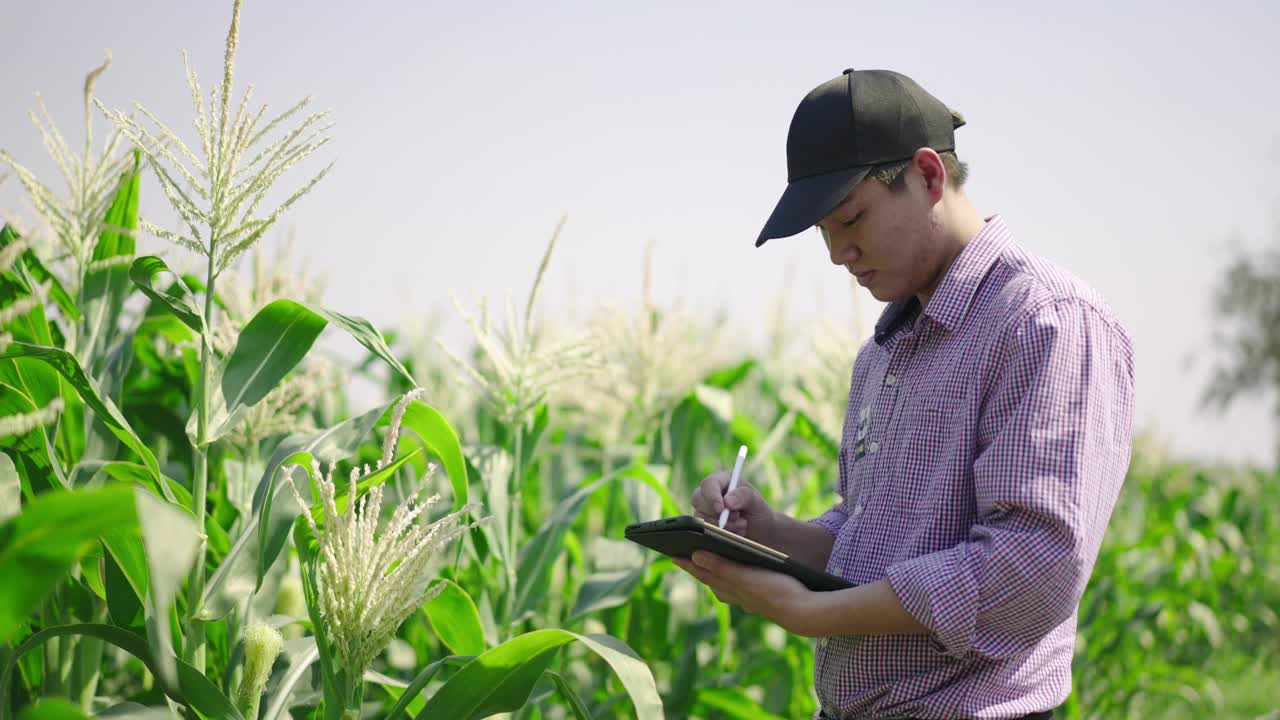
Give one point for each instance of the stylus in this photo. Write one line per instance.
(733, 482)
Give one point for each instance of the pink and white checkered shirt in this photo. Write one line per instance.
(985, 443)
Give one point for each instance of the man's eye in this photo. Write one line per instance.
(855, 219)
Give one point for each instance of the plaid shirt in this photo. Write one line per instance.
(985, 443)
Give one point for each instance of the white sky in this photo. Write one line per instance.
(1129, 142)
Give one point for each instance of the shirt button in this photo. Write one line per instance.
(857, 510)
(890, 379)
(823, 643)
(874, 446)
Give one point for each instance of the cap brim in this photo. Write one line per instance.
(808, 200)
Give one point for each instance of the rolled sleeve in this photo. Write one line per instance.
(833, 520)
(1057, 424)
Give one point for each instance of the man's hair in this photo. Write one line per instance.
(894, 174)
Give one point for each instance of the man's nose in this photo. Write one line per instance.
(844, 253)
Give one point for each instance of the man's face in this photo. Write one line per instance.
(886, 240)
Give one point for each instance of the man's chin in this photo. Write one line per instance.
(882, 295)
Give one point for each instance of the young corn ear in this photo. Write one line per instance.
(262, 645)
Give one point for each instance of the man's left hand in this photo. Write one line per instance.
(771, 595)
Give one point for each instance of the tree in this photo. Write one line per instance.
(1247, 303)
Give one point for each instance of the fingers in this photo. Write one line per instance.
(746, 500)
(708, 498)
(708, 575)
(736, 524)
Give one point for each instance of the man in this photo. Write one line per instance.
(985, 442)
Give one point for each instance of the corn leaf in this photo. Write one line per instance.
(67, 365)
(40, 544)
(456, 621)
(193, 688)
(501, 679)
(440, 439)
(176, 299)
(107, 288)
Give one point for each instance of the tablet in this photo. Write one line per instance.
(681, 536)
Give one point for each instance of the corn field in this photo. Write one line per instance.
(197, 521)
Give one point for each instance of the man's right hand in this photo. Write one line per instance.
(749, 514)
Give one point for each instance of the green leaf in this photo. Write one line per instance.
(645, 474)
(53, 709)
(364, 333)
(10, 488)
(152, 556)
(124, 602)
(106, 289)
(732, 703)
(203, 695)
(33, 378)
(537, 556)
(235, 578)
(607, 589)
(501, 679)
(173, 492)
(177, 298)
(271, 345)
(493, 465)
(106, 411)
(727, 378)
(167, 327)
(170, 541)
(440, 439)
(126, 553)
(59, 294)
(570, 696)
(40, 274)
(456, 621)
(33, 448)
(544, 547)
(419, 682)
(166, 486)
(307, 551)
(134, 711)
(719, 402)
(194, 689)
(806, 428)
(43, 542)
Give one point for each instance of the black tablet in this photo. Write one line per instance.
(681, 536)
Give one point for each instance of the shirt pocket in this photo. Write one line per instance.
(927, 456)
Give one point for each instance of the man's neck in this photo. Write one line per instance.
(960, 223)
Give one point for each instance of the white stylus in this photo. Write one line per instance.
(733, 482)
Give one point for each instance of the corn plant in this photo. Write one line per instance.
(167, 582)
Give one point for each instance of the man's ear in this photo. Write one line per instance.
(932, 172)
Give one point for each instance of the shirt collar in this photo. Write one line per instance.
(951, 301)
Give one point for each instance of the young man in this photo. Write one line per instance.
(986, 439)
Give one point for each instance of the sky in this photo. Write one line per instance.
(1136, 144)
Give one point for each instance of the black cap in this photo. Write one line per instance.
(842, 129)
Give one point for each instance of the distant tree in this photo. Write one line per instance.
(1247, 332)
